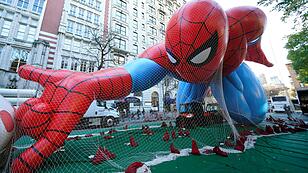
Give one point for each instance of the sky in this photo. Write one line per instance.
(272, 43)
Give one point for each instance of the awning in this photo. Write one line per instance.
(132, 99)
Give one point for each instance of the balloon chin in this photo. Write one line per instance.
(143, 169)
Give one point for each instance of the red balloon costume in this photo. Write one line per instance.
(199, 37)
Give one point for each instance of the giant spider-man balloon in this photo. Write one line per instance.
(199, 37)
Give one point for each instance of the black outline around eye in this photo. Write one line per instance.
(211, 42)
(173, 56)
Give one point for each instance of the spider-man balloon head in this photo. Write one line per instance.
(196, 40)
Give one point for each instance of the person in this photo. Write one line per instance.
(138, 114)
(287, 110)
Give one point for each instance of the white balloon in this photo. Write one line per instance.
(7, 123)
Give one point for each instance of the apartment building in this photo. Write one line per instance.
(64, 30)
(139, 25)
(19, 25)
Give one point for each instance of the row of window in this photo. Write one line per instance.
(85, 65)
(37, 5)
(90, 3)
(120, 3)
(8, 15)
(78, 46)
(78, 29)
(25, 32)
(77, 65)
(122, 16)
(84, 14)
(121, 29)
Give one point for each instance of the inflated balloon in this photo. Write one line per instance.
(199, 37)
(7, 128)
(7, 122)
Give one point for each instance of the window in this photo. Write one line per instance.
(135, 2)
(21, 31)
(119, 43)
(83, 66)
(91, 2)
(81, 13)
(135, 24)
(98, 5)
(89, 16)
(18, 57)
(38, 6)
(120, 29)
(83, 1)
(142, 5)
(152, 20)
(121, 16)
(142, 15)
(79, 29)
(155, 99)
(34, 22)
(86, 31)
(135, 49)
(162, 27)
(67, 44)
(152, 41)
(151, 1)
(6, 28)
(73, 10)
(135, 36)
(74, 64)
(135, 12)
(119, 59)
(7, 1)
(151, 10)
(31, 34)
(170, 11)
(161, 16)
(64, 63)
(143, 26)
(9, 15)
(143, 38)
(24, 19)
(1, 48)
(76, 46)
(153, 31)
(91, 66)
(96, 19)
(121, 3)
(70, 26)
(23, 3)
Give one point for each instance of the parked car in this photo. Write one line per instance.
(99, 114)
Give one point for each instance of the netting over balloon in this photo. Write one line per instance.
(219, 101)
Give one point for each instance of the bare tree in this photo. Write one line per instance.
(100, 46)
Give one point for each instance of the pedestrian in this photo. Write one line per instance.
(287, 109)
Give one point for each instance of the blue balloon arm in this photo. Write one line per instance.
(145, 73)
(244, 96)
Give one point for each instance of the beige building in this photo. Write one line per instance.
(64, 30)
(19, 25)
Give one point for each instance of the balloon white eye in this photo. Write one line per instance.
(173, 61)
(201, 57)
